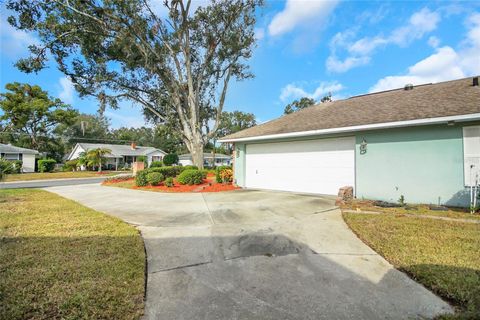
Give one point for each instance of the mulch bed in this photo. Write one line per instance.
(208, 185)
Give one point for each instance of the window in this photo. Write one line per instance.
(11, 156)
(471, 155)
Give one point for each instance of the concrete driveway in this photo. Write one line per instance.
(257, 255)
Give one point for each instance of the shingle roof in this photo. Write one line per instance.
(451, 98)
(120, 150)
(8, 148)
(206, 155)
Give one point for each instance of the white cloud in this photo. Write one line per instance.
(336, 65)
(13, 42)
(259, 33)
(445, 64)
(67, 90)
(293, 91)
(300, 13)
(433, 42)
(359, 52)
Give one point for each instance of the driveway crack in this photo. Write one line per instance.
(208, 210)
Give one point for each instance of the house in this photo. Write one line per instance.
(27, 156)
(422, 142)
(220, 159)
(120, 155)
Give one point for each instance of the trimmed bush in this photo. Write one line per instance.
(154, 178)
(170, 159)
(141, 178)
(168, 171)
(169, 182)
(46, 165)
(219, 169)
(156, 164)
(190, 177)
(190, 167)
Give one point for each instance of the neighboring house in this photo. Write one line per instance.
(220, 159)
(27, 156)
(422, 142)
(121, 155)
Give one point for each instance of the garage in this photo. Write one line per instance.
(319, 166)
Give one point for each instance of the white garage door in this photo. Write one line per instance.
(313, 166)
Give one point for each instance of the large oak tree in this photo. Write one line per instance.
(176, 67)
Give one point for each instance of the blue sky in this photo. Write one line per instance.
(310, 48)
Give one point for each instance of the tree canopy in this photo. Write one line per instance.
(298, 105)
(30, 116)
(177, 67)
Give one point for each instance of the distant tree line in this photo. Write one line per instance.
(33, 119)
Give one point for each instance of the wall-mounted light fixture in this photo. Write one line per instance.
(363, 146)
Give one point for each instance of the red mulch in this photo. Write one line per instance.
(208, 185)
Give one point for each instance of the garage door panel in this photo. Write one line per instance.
(315, 166)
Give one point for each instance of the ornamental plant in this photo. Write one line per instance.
(226, 175)
(219, 169)
(190, 177)
(155, 178)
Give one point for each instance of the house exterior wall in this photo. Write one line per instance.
(154, 154)
(28, 163)
(424, 164)
(76, 152)
(239, 164)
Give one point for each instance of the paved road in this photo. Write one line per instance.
(257, 255)
(50, 183)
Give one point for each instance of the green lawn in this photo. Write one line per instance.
(444, 256)
(421, 209)
(60, 260)
(57, 175)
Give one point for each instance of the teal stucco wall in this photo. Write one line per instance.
(239, 169)
(424, 164)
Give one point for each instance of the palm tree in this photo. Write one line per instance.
(95, 157)
(82, 159)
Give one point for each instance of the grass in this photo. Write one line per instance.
(57, 175)
(456, 213)
(442, 255)
(60, 260)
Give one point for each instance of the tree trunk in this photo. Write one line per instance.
(197, 154)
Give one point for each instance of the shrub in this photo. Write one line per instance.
(168, 171)
(190, 177)
(226, 175)
(190, 167)
(156, 164)
(170, 159)
(219, 169)
(17, 166)
(46, 165)
(6, 167)
(204, 173)
(169, 182)
(70, 165)
(154, 178)
(141, 178)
